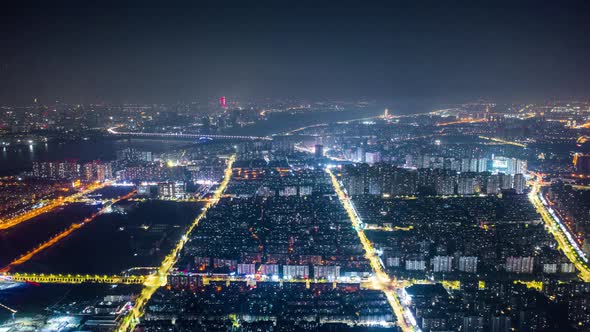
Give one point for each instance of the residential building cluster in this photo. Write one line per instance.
(70, 169)
(286, 236)
(287, 223)
(462, 237)
(267, 307)
(490, 306)
(388, 180)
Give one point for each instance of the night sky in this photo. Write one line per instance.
(403, 50)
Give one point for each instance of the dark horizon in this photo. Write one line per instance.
(434, 52)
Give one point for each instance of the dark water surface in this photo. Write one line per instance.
(15, 159)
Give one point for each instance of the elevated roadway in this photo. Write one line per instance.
(71, 278)
(114, 131)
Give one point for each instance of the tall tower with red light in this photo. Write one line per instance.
(222, 102)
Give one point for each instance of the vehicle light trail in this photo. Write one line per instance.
(564, 239)
(71, 279)
(5, 224)
(159, 279)
(461, 121)
(582, 139)
(383, 282)
(294, 131)
(501, 141)
(113, 131)
(26, 257)
(8, 308)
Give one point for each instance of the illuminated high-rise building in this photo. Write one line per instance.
(493, 184)
(506, 181)
(465, 165)
(473, 165)
(360, 154)
(482, 165)
(519, 183)
(442, 263)
(171, 189)
(372, 157)
(54, 170)
(466, 186)
(97, 170)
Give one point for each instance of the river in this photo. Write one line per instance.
(16, 159)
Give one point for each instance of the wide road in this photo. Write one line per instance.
(382, 280)
(159, 279)
(502, 141)
(569, 247)
(114, 131)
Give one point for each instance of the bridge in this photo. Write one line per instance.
(141, 279)
(113, 131)
(502, 141)
(206, 279)
(71, 278)
(154, 278)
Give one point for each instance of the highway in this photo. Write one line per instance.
(12, 311)
(71, 278)
(159, 279)
(565, 240)
(382, 280)
(501, 141)
(124, 279)
(461, 121)
(113, 131)
(294, 131)
(143, 279)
